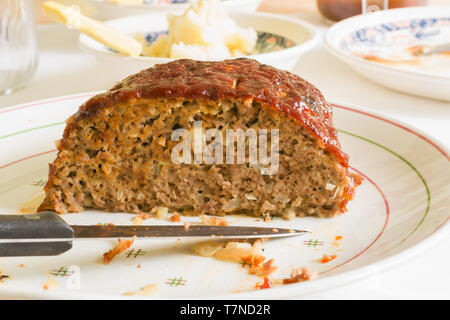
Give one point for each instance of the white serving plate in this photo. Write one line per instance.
(387, 35)
(400, 210)
(105, 10)
(303, 34)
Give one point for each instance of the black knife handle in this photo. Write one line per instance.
(43, 225)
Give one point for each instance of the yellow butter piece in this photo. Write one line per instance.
(72, 17)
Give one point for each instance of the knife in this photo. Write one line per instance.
(47, 234)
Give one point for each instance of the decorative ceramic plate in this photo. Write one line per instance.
(393, 48)
(401, 209)
(282, 40)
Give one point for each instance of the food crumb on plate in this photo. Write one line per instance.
(119, 248)
(50, 284)
(263, 269)
(253, 260)
(137, 221)
(207, 249)
(239, 252)
(265, 285)
(148, 290)
(337, 241)
(236, 251)
(326, 258)
(3, 277)
(299, 275)
(175, 217)
(214, 221)
(145, 215)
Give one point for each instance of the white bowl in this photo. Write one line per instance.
(302, 35)
(106, 10)
(389, 34)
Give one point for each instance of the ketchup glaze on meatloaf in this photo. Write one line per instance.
(313, 178)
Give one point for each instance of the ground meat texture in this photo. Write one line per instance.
(115, 154)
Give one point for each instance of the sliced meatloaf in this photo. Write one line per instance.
(116, 151)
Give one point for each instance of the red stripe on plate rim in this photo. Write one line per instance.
(388, 211)
(44, 102)
(442, 151)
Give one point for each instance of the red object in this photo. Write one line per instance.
(326, 258)
(266, 284)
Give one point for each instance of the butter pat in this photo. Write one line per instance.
(72, 17)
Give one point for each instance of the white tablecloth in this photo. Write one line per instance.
(65, 69)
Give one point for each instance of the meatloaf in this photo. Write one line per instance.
(116, 151)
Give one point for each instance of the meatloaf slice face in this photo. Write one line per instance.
(117, 151)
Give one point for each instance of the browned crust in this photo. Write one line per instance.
(237, 79)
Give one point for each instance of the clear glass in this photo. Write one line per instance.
(18, 44)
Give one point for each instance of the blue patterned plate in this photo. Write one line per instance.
(282, 40)
(266, 42)
(391, 47)
(402, 43)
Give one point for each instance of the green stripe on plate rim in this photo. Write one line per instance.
(427, 189)
(32, 129)
(340, 130)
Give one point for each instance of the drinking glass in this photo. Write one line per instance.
(18, 44)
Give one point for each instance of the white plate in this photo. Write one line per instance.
(400, 210)
(377, 46)
(303, 34)
(104, 10)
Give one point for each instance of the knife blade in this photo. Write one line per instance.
(46, 233)
(177, 231)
